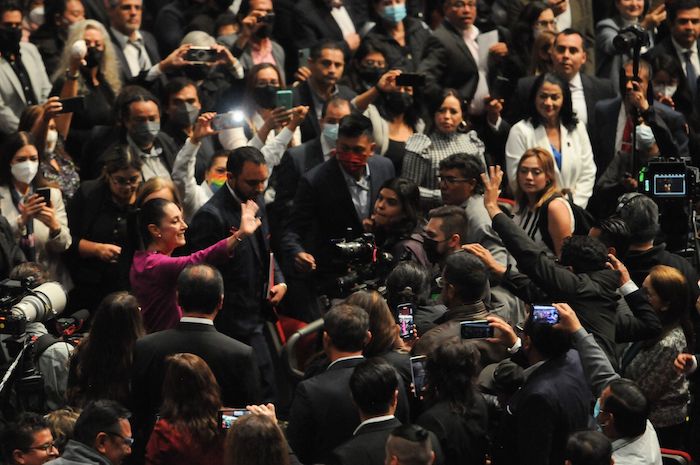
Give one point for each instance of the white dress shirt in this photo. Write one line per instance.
(578, 98)
(564, 20)
(693, 56)
(343, 20)
(359, 192)
(476, 107)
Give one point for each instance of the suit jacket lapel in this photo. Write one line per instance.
(10, 75)
(374, 185)
(460, 43)
(588, 95)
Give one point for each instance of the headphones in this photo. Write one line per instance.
(626, 199)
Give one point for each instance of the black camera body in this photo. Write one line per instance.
(364, 263)
(669, 179)
(632, 37)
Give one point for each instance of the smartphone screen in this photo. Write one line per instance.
(477, 329)
(284, 99)
(227, 416)
(545, 314)
(406, 323)
(418, 374)
(304, 54)
(45, 192)
(232, 119)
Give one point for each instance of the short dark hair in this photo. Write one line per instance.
(129, 95)
(549, 341)
(588, 448)
(347, 327)
(411, 444)
(470, 166)
(641, 215)
(174, 86)
(315, 52)
(151, 212)
(584, 254)
(121, 157)
(239, 156)
(223, 153)
(569, 31)
(199, 289)
(566, 114)
(629, 407)
(355, 125)
(99, 416)
(467, 274)
(454, 220)
(20, 434)
(409, 281)
(373, 384)
(11, 5)
(335, 101)
(408, 194)
(680, 5)
(614, 233)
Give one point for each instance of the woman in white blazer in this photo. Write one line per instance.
(41, 228)
(553, 126)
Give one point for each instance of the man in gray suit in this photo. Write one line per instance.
(254, 38)
(23, 79)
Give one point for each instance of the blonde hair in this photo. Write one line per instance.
(108, 67)
(546, 162)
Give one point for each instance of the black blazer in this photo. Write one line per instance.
(367, 446)
(245, 275)
(151, 45)
(594, 89)
(554, 402)
(447, 62)
(323, 415)
(314, 23)
(296, 162)
(10, 252)
(323, 209)
(311, 128)
(665, 47)
(231, 361)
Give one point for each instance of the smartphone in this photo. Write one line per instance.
(304, 55)
(201, 55)
(45, 192)
(498, 88)
(227, 416)
(418, 374)
(284, 99)
(410, 80)
(232, 119)
(72, 105)
(545, 314)
(406, 323)
(476, 329)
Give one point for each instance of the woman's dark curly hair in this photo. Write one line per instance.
(451, 372)
(409, 197)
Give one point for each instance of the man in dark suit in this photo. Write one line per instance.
(682, 44)
(321, 20)
(555, 399)
(375, 391)
(326, 63)
(568, 56)
(612, 146)
(246, 275)
(322, 414)
(334, 198)
(452, 57)
(200, 295)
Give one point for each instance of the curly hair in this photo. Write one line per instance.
(109, 67)
(451, 372)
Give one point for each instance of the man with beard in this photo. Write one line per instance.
(23, 79)
(246, 277)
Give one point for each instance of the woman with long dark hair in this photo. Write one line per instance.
(187, 431)
(257, 439)
(396, 221)
(535, 18)
(553, 126)
(457, 412)
(154, 271)
(100, 367)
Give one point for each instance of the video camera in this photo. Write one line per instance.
(20, 303)
(632, 37)
(365, 263)
(669, 179)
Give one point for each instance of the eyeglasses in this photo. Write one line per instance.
(451, 179)
(128, 441)
(122, 181)
(44, 447)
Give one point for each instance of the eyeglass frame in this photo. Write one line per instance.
(127, 440)
(45, 447)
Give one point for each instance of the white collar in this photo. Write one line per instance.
(681, 50)
(123, 39)
(576, 82)
(195, 319)
(369, 421)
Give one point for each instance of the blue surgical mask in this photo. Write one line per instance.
(330, 132)
(596, 408)
(394, 13)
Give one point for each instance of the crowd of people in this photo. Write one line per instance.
(448, 189)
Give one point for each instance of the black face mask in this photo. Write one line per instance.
(397, 103)
(370, 74)
(196, 72)
(94, 57)
(430, 247)
(9, 40)
(265, 96)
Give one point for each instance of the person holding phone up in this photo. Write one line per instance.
(39, 219)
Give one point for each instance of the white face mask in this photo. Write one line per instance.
(25, 171)
(668, 91)
(36, 15)
(51, 140)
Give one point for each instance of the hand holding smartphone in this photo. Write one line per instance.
(476, 329)
(228, 416)
(546, 314)
(406, 321)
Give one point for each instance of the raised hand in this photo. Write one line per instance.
(492, 184)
